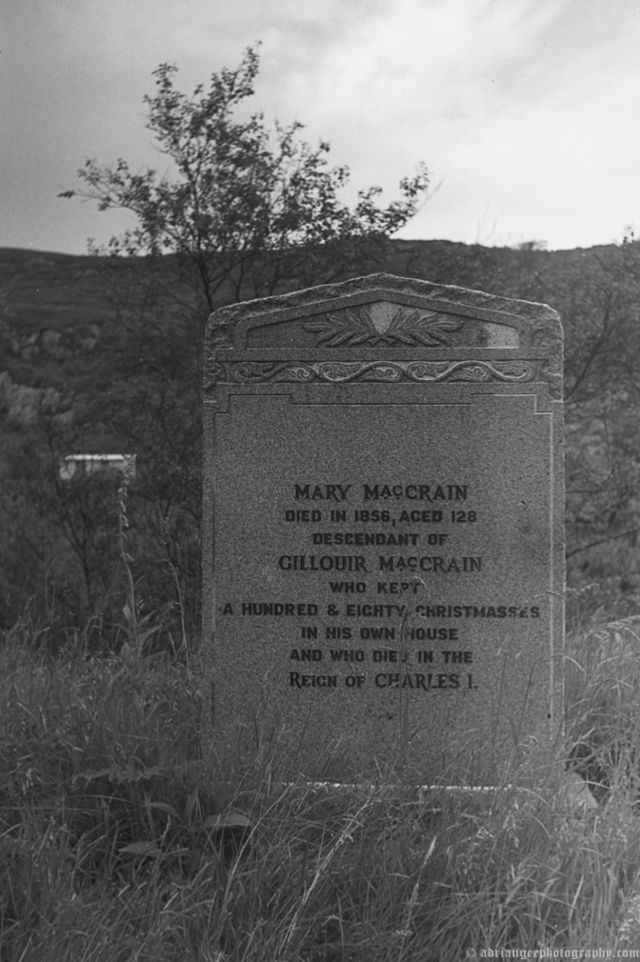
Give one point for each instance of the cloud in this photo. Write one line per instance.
(516, 106)
(440, 54)
(526, 110)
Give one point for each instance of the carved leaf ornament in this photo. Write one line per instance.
(384, 323)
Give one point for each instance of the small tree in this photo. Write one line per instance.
(241, 211)
(241, 208)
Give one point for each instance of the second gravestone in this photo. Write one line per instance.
(383, 528)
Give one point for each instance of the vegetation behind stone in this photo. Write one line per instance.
(104, 355)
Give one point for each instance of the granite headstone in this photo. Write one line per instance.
(383, 564)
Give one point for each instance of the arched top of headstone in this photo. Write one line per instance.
(385, 309)
(384, 317)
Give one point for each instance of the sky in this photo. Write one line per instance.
(525, 111)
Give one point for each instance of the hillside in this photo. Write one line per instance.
(43, 290)
(103, 355)
(58, 311)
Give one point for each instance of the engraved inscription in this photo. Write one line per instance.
(425, 646)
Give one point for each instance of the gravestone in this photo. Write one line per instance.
(383, 530)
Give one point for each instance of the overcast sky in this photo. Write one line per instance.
(525, 111)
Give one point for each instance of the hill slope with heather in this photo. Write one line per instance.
(103, 355)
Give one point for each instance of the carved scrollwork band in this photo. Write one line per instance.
(480, 371)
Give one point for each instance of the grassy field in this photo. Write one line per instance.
(116, 845)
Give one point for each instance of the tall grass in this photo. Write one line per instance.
(116, 844)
